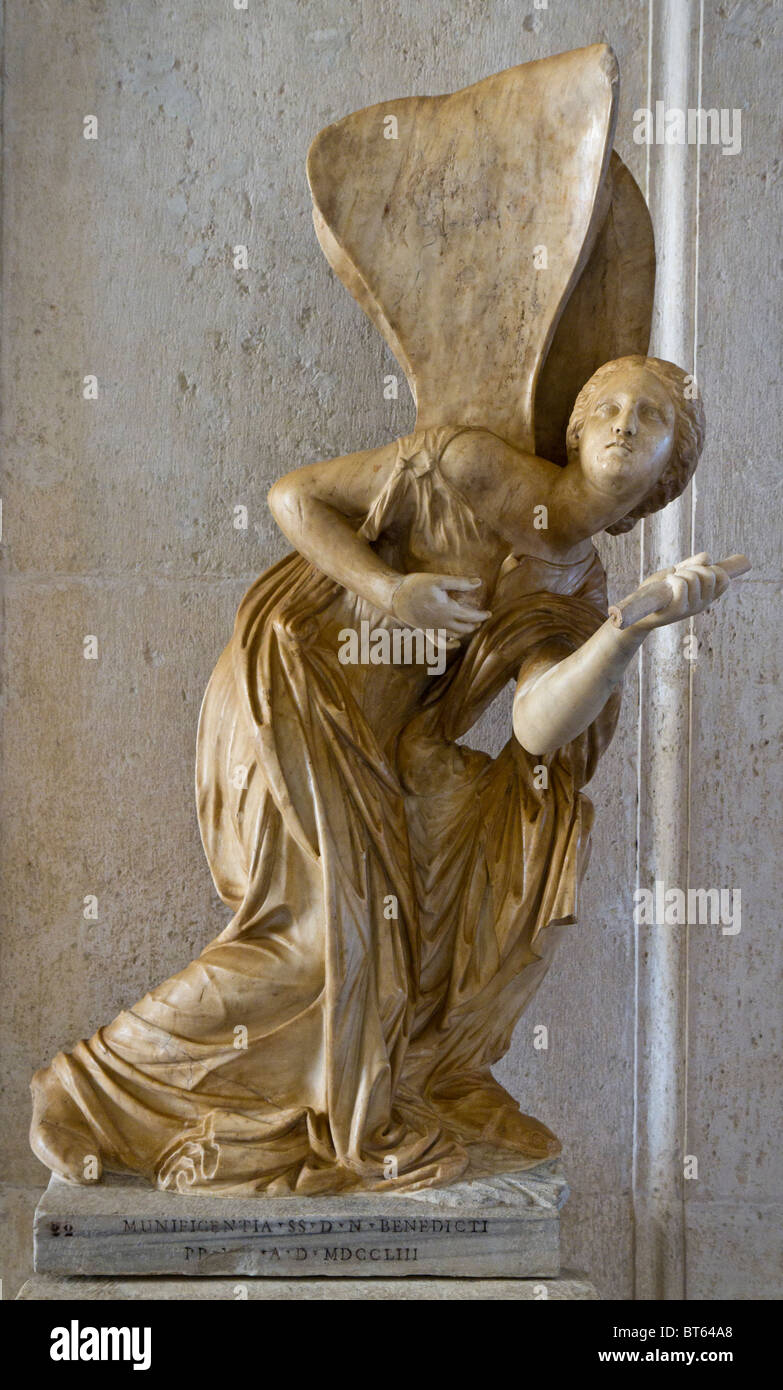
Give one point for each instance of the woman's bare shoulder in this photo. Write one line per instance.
(349, 483)
(504, 481)
(480, 456)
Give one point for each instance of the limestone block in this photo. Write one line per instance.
(505, 1225)
(569, 1286)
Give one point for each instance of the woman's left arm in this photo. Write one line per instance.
(554, 707)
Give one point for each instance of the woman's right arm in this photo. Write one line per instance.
(317, 507)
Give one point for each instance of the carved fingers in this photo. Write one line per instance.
(426, 600)
(694, 584)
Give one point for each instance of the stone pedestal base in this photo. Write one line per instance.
(503, 1226)
(568, 1286)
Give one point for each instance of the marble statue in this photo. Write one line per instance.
(398, 895)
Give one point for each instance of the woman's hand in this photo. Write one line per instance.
(694, 583)
(424, 600)
(560, 704)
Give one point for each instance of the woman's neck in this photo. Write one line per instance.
(577, 512)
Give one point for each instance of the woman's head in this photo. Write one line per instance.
(637, 435)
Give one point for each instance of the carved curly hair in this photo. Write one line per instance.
(689, 427)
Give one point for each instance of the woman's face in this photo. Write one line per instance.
(626, 439)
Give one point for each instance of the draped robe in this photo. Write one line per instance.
(396, 894)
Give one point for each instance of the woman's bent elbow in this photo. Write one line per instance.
(532, 740)
(284, 502)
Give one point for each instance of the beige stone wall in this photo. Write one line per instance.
(117, 522)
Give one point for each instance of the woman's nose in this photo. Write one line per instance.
(625, 423)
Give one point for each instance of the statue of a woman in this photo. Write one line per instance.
(397, 896)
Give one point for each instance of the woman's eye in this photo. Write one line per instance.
(651, 412)
(606, 408)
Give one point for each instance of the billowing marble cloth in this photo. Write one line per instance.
(393, 901)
